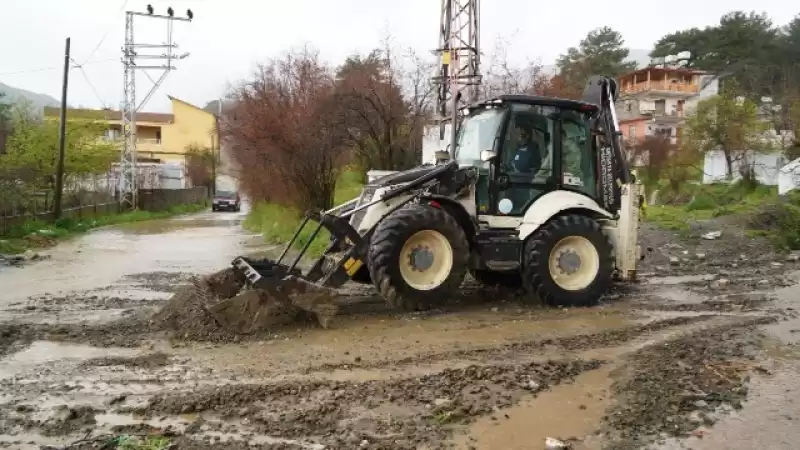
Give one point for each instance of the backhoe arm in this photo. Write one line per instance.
(614, 172)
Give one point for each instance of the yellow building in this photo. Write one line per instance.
(160, 137)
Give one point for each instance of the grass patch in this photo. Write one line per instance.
(279, 223)
(37, 234)
(763, 212)
(140, 443)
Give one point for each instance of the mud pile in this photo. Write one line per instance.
(219, 307)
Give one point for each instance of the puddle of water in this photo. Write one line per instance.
(583, 402)
(680, 279)
(379, 339)
(679, 295)
(104, 256)
(43, 352)
(110, 420)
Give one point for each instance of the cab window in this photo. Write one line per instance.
(577, 161)
(528, 147)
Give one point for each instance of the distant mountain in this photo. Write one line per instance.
(39, 101)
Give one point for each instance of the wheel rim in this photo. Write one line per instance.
(426, 260)
(574, 263)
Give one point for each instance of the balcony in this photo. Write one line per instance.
(150, 141)
(660, 86)
(143, 144)
(657, 114)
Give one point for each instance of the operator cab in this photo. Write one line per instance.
(526, 146)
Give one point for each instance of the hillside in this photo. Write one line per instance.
(39, 101)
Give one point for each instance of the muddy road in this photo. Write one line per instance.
(701, 354)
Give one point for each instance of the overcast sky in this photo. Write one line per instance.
(228, 37)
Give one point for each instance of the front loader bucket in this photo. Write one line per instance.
(270, 302)
(279, 302)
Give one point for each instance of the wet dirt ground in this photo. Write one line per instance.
(700, 354)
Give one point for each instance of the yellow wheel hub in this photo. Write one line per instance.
(426, 260)
(574, 263)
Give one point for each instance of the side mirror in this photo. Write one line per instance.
(488, 155)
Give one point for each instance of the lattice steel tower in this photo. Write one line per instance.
(128, 186)
(459, 48)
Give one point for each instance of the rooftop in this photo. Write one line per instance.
(538, 100)
(107, 114)
(665, 70)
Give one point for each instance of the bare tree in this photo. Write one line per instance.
(385, 100)
(503, 77)
(284, 132)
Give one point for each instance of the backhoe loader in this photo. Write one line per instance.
(534, 189)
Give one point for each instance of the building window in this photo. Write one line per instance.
(632, 132)
(628, 106)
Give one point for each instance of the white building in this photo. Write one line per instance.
(789, 177)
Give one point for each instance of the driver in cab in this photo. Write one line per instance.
(528, 156)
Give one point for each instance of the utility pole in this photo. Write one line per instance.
(62, 138)
(459, 51)
(128, 186)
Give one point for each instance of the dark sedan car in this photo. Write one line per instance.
(226, 201)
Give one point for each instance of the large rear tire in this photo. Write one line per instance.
(568, 262)
(418, 256)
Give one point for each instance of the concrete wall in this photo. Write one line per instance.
(431, 142)
(766, 167)
(789, 177)
(163, 199)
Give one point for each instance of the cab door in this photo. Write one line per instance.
(528, 163)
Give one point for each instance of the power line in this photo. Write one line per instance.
(88, 81)
(44, 69)
(105, 35)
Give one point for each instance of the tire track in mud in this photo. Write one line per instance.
(611, 338)
(677, 387)
(400, 414)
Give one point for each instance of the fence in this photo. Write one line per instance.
(77, 213)
(149, 200)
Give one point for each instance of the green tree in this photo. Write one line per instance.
(5, 108)
(33, 148)
(5, 123)
(200, 165)
(747, 43)
(601, 52)
(728, 122)
(739, 36)
(789, 44)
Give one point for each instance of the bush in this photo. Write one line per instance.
(701, 203)
(778, 221)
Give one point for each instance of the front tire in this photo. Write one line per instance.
(418, 256)
(568, 262)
